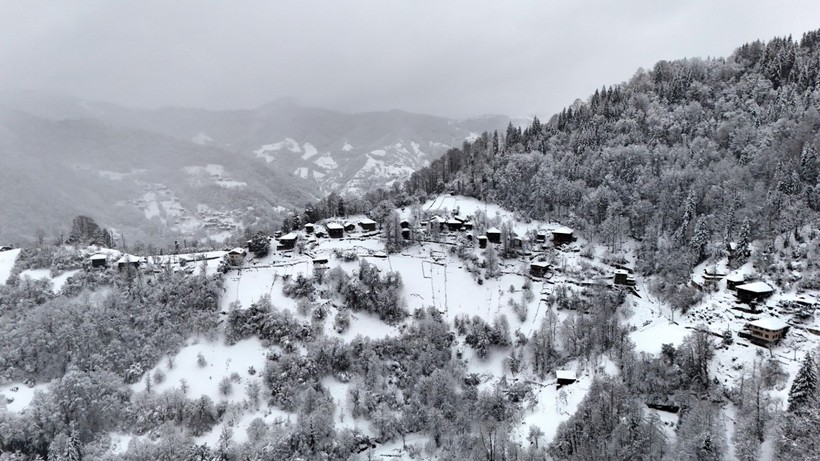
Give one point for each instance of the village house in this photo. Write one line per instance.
(129, 260)
(734, 280)
(349, 227)
(753, 292)
(541, 237)
(562, 235)
(287, 242)
(539, 268)
(565, 377)
(436, 223)
(335, 230)
(405, 224)
(320, 264)
(767, 330)
(482, 241)
(468, 226)
(309, 228)
(367, 225)
(493, 235)
(623, 277)
(405, 234)
(454, 225)
(236, 257)
(99, 260)
(5, 248)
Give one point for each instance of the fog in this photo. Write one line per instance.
(451, 58)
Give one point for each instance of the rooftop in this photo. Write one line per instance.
(756, 287)
(562, 230)
(334, 225)
(769, 323)
(565, 374)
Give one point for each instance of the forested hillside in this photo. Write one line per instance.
(689, 152)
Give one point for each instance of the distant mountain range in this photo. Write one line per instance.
(172, 172)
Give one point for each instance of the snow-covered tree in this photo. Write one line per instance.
(803, 393)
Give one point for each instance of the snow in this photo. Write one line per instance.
(310, 151)
(378, 152)
(20, 396)
(221, 361)
(564, 374)
(302, 172)
(40, 274)
(347, 147)
(326, 162)
(7, 259)
(651, 338)
(202, 139)
(230, 183)
(267, 150)
(755, 287)
(769, 323)
(335, 226)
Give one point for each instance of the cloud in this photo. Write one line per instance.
(454, 58)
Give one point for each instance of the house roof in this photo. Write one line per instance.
(769, 323)
(320, 261)
(334, 225)
(805, 299)
(562, 230)
(565, 374)
(98, 257)
(539, 264)
(493, 230)
(125, 259)
(735, 277)
(367, 221)
(290, 236)
(237, 251)
(756, 287)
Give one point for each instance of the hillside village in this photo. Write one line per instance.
(464, 259)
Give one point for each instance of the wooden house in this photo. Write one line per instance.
(405, 234)
(335, 230)
(767, 330)
(562, 235)
(565, 377)
(367, 225)
(541, 237)
(320, 264)
(454, 225)
(405, 224)
(482, 241)
(349, 227)
(753, 292)
(99, 260)
(493, 235)
(436, 223)
(236, 257)
(734, 279)
(287, 242)
(468, 226)
(5, 248)
(623, 277)
(309, 228)
(539, 268)
(129, 260)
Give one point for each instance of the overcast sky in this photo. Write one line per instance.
(452, 58)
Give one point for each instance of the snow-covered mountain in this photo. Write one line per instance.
(199, 172)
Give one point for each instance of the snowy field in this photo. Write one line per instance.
(7, 259)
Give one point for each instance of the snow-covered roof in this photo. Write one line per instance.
(320, 260)
(565, 374)
(540, 264)
(437, 219)
(562, 230)
(334, 225)
(98, 257)
(621, 271)
(237, 251)
(128, 259)
(769, 323)
(756, 287)
(805, 299)
(289, 236)
(367, 221)
(493, 230)
(455, 221)
(735, 277)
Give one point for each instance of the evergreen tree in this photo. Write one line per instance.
(803, 393)
(700, 239)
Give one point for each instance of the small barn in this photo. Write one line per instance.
(320, 264)
(128, 260)
(309, 228)
(5, 248)
(539, 268)
(565, 377)
(767, 330)
(734, 280)
(541, 237)
(493, 235)
(482, 241)
(436, 223)
(287, 242)
(99, 260)
(805, 301)
(562, 235)
(454, 225)
(405, 224)
(405, 234)
(236, 257)
(623, 277)
(349, 227)
(335, 230)
(468, 226)
(753, 292)
(367, 225)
